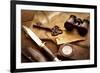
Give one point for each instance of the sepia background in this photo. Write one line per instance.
(49, 19)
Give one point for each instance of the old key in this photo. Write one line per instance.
(54, 31)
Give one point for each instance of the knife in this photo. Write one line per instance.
(39, 42)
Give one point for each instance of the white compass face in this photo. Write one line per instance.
(67, 50)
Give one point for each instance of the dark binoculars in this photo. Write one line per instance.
(78, 24)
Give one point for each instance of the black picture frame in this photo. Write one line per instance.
(13, 35)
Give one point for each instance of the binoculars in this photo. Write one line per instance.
(76, 23)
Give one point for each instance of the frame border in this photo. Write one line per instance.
(13, 35)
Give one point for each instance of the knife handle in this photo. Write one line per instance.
(49, 51)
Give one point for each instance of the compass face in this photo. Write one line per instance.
(67, 50)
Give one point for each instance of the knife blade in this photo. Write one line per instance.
(39, 42)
